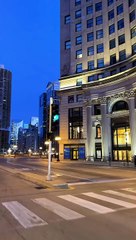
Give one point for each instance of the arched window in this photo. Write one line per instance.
(98, 131)
(119, 106)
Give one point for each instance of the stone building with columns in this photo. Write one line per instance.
(98, 80)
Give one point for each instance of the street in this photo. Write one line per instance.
(98, 202)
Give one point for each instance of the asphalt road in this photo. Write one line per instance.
(104, 209)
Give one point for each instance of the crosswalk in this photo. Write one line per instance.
(124, 198)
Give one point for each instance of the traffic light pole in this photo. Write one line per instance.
(50, 142)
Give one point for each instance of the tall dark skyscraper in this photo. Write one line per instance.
(5, 107)
(98, 79)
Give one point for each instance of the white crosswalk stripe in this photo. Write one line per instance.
(111, 200)
(23, 215)
(86, 204)
(129, 190)
(58, 209)
(132, 197)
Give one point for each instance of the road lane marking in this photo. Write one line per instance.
(129, 190)
(129, 196)
(86, 204)
(58, 209)
(111, 200)
(23, 215)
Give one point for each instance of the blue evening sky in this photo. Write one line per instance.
(29, 47)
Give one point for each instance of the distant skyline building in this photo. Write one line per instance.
(42, 120)
(5, 107)
(98, 79)
(15, 125)
(34, 121)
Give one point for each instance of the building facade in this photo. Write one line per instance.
(98, 79)
(5, 107)
(42, 120)
(15, 125)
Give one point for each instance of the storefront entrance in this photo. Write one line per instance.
(74, 152)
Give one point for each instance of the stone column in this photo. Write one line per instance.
(132, 122)
(90, 141)
(106, 131)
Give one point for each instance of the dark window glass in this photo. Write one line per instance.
(113, 72)
(113, 59)
(79, 98)
(71, 99)
(132, 16)
(77, 2)
(100, 48)
(112, 43)
(111, 15)
(119, 9)
(99, 34)
(89, 10)
(79, 68)
(120, 24)
(98, 6)
(91, 78)
(134, 49)
(130, 2)
(67, 44)
(91, 65)
(122, 69)
(100, 76)
(122, 55)
(78, 40)
(67, 19)
(120, 105)
(121, 39)
(90, 37)
(79, 53)
(78, 13)
(97, 109)
(90, 23)
(79, 82)
(75, 117)
(134, 64)
(111, 29)
(90, 51)
(78, 27)
(109, 2)
(100, 63)
(99, 20)
(133, 32)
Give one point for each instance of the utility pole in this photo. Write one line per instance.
(50, 141)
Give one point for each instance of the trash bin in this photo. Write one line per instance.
(135, 161)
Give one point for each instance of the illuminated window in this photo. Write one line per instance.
(98, 131)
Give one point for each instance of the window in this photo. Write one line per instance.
(120, 24)
(78, 27)
(119, 9)
(109, 2)
(112, 43)
(134, 64)
(130, 2)
(134, 49)
(78, 40)
(97, 109)
(99, 20)
(90, 51)
(100, 63)
(100, 48)
(79, 53)
(98, 131)
(122, 69)
(132, 16)
(98, 6)
(90, 23)
(71, 99)
(79, 82)
(78, 13)
(75, 118)
(122, 55)
(121, 39)
(113, 59)
(111, 15)
(67, 19)
(113, 72)
(79, 68)
(133, 32)
(99, 34)
(90, 37)
(89, 10)
(91, 65)
(91, 78)
(79, 98)
(77, 2)
(67, 44)
(100, 76)
(111, 29)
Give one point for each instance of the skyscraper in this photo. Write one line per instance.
(5, 107)
(98, 79)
